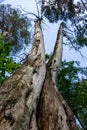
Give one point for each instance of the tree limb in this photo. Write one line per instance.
(19, 94)
(55, 60)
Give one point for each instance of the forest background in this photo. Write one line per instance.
(72, 80)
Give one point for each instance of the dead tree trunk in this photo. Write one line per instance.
(53, 112)
(29, 99)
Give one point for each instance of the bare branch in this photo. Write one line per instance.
(27, 12)
(37, 8)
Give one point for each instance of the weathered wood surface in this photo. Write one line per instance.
(19, 94)
(29, 100)
(53, 112)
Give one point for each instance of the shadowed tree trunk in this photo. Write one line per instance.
(29, 99)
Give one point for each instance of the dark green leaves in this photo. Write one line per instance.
(73, 87)
(55, 10)
(7, 65)
(16, 24)
(73, 13)
(81, 34)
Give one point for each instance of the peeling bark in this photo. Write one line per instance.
(29, 100)
(20, 93)
(53, 112)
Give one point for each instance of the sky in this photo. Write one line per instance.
(50, 33)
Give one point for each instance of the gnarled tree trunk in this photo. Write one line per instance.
(29, 99)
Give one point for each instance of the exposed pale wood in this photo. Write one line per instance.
(53, 112)
(29, 100)
(55, 60)
(19, 93)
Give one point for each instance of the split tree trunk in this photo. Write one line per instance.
(29, 100)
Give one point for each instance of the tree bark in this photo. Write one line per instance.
(53, 112)
(29, 99)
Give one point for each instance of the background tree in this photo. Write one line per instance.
(63, 9)
(15, 25)
(7, 65)
(73, 88)
(70, 12)
(14, 34)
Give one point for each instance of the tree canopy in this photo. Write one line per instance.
(55, 10)
(73, 14)
(15, 25)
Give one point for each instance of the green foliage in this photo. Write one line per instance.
(1, 1)
(74, 88)
(75, 37)
(16, 24)
(55, 10)
(7, 65)
(73, 14)
(81, 34)
(81, 112)
(47, 57)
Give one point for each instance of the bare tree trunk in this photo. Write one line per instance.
(53, 112)
(29, 99)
